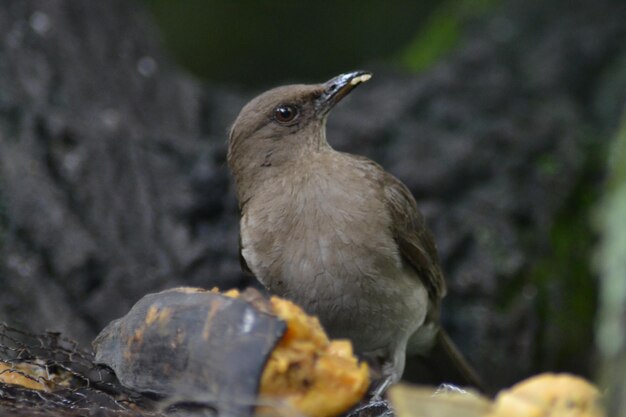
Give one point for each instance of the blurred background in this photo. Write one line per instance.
(504, 118)
(259, 44)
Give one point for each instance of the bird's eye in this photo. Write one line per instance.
(285, 113)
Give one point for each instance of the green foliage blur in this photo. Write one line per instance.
(259, 43)
(440, 32)
(610, 221)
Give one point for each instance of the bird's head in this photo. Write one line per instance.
(284, 124)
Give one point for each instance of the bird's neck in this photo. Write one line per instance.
(252, 181)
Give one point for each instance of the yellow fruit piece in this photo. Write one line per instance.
(549, 395)
(422, 401)
(23, 374)
(307, 372)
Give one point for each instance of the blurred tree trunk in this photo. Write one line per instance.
(612, 266)
(99, 135)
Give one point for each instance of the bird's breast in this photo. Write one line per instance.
(326, 243)
(318, 227)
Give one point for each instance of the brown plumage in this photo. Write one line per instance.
(336, 233)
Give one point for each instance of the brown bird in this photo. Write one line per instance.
(337, 234)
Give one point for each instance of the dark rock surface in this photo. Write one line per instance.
(113, 180)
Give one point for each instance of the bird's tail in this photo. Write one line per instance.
(443, 364)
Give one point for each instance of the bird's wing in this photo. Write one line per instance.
(242, 261)
(416, 242)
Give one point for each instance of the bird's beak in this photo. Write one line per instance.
(337, 88)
